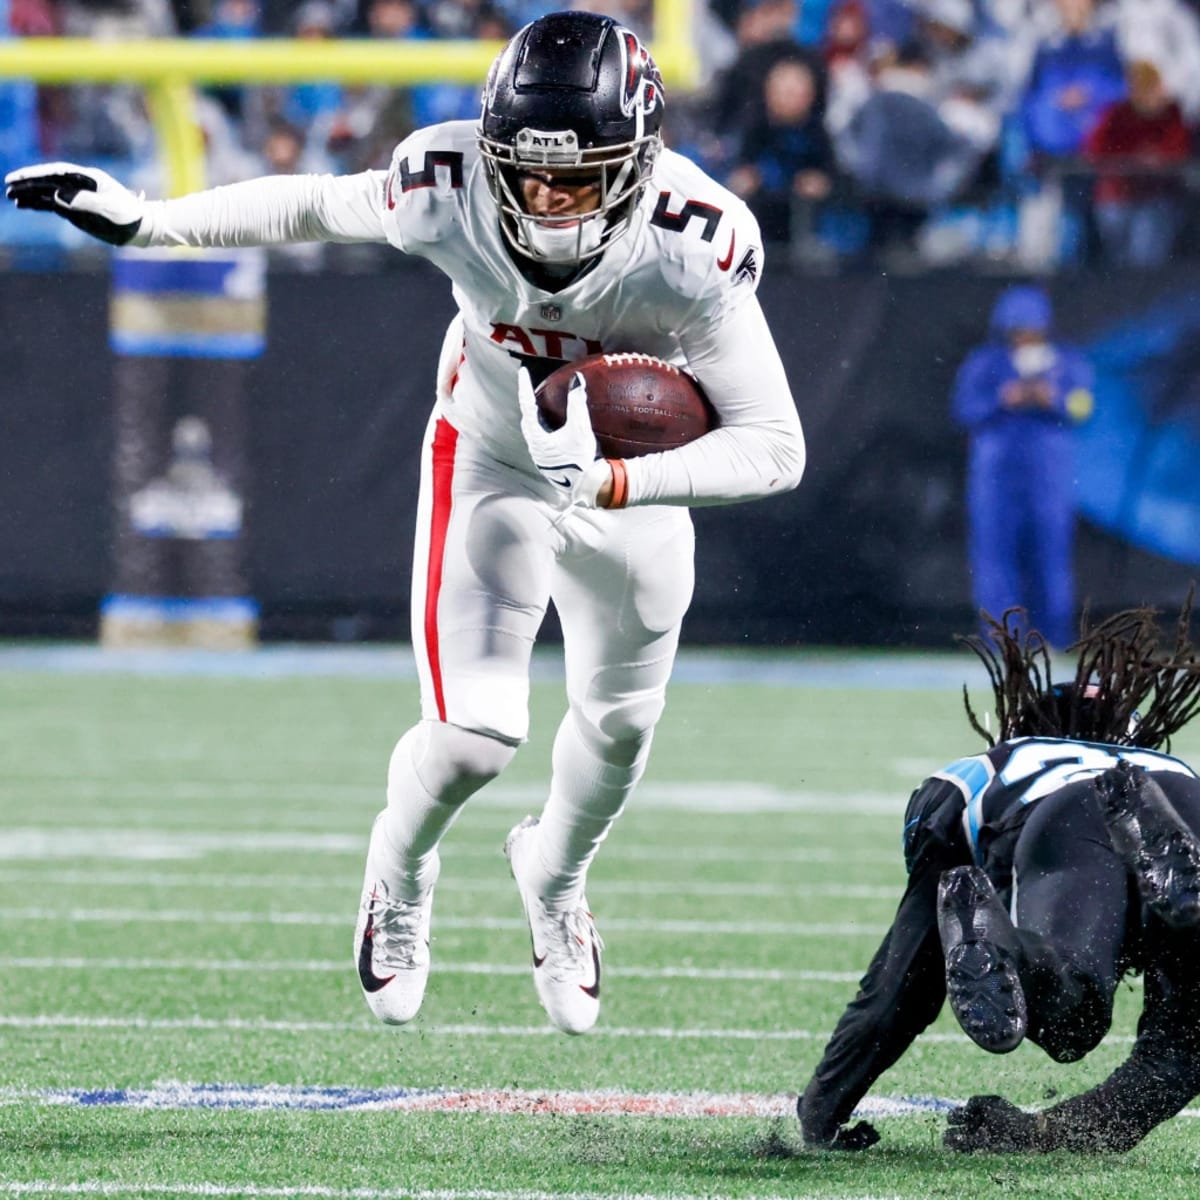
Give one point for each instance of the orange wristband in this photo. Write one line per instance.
(620, 483)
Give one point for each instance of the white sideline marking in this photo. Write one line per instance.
(264, 1025)
(322, 966)
(733, 797)
(106, 1187)
(173, 1094)
(53, 844)
(694, 928)
(904, 671)
(179, 1094)
(500, 883)
(140, 844)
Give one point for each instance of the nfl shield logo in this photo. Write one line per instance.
(551, 312)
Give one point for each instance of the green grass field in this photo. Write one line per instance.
(180, 861)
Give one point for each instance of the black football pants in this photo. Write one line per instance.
(1077, 914)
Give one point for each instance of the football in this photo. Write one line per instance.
(638, 404)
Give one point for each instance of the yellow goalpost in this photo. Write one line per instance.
(178, 324)
(169, 67)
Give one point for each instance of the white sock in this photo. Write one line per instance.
(433, 770)
(587, 792)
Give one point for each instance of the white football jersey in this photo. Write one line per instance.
(679, 284)
(642, 294)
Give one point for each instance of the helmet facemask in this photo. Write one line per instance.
(619, 172)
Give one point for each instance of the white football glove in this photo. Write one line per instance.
(87, 197)
(568, 457)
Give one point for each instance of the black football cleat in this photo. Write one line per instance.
(980, 947)
(1153, 842)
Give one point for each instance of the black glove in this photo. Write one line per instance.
(89, 198)
(822, 1133)
(861, 1136)
(990, 1123)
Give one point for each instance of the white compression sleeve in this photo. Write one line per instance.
(434, 770)
(758, 449)
(587, 794)
(272, 211)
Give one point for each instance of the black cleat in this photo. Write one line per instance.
(980, 947)
(1153, 842)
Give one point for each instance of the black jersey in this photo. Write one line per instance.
(996, 786)
(1031, 793)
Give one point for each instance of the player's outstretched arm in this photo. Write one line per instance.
(902, 991)
(271, 211)
(991, 1123)
(1112, 1117)
(898, 997)
(1157, 1080)
(1139, 1095)
(89, 198)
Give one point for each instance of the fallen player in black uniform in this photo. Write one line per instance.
(1039, 873)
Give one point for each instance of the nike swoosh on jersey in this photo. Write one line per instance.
(564, 482)
(366, 973)
(725, 263)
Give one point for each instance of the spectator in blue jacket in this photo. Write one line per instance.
(1076, 75)
(1019, 397)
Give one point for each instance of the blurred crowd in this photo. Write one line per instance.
(1041, 134)
(1031, 134)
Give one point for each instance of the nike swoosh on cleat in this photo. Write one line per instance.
(594, 990)
(366, 974)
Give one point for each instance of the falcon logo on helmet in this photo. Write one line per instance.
(574, 91)
(643, 84)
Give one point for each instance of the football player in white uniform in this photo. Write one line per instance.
(566, 229)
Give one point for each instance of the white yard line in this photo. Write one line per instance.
(500, 883)
(106, 1187)
(725, 798)
(692, 928)
(264, 1025)
(337, 966)
(47, 843)
(180, 1094)
(54, 844)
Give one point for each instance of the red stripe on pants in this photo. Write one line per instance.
(445, 440)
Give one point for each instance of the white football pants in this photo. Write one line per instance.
(492, 550)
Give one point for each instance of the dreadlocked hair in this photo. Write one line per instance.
(1128, 689)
